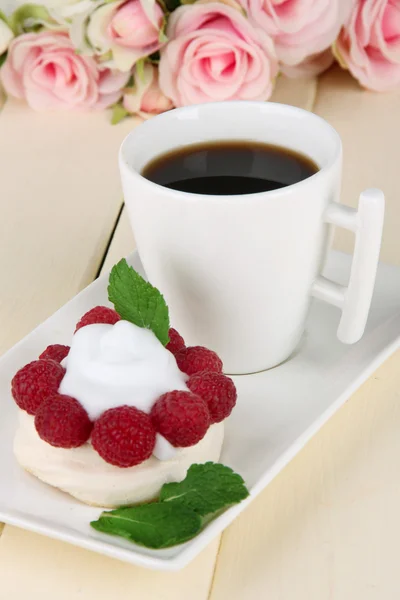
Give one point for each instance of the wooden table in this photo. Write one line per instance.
(328, 527)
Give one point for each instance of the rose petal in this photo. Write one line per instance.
(214, 53)
(45, 70)
(364, 48)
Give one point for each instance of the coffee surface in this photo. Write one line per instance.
(229, 168)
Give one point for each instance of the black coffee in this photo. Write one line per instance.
(229, 168)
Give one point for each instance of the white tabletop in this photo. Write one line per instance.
(328, 526)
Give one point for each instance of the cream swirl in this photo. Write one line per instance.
(121, 364)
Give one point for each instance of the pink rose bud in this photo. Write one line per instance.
(131, 27)
(44, 70)
(299, 28)
(369, 44)
(214, 54)
(145, 98)
(128, 30)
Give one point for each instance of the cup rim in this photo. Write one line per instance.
(270, 106)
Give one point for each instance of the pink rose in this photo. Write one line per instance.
(215, 54)
(130, 26)
(129, 30)
(145, 98)
(369, 44)
(44, 69)
(299, 28)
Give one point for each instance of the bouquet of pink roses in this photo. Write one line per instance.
(146, 56)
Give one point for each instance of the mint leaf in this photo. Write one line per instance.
(207, 488)
(182, 511)
(151, 525)
(137, 301)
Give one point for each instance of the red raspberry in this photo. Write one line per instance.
(35, 382)
(55, 352)
(99, 314)
(197, 359)
(176, 341)
(124, 436)
(181, 417)
(61, 421)
(217, 390)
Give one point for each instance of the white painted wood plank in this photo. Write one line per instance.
(35, 567)
(122, 244)
(327, 528)
(296, 92)
(369, 125)
(60, 196)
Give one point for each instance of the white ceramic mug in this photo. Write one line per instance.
(239, 272)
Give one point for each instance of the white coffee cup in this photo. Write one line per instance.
(239, 272)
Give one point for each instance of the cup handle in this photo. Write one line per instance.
(367, 223)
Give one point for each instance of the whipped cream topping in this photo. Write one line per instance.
(163, 450)
(113, 365)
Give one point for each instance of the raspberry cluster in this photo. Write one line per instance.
(125, 436)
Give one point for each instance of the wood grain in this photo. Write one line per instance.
(51, 247)
(328, 526)
(122, 244)
(53, 570)
(60, 198)
(369, 125)
(299, 92)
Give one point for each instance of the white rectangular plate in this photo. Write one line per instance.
(278, 411)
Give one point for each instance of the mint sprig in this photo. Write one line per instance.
(181, 511)
(151, 525)
(137, 301)
(207, 488)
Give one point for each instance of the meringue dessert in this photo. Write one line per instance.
(85, 475)
(124, 410)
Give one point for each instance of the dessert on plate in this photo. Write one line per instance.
(127, 407)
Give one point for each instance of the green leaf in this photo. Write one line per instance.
(207, 488)
(163, 5)
(137, 301)
(29, 18)
(154, 58)
(105, 57)
(151, 525)
(3, 59)
(182, 511)
(172, 4)
(118, 114)
(162, 38)
(131, 82)
(4, 18)
(140, 68)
